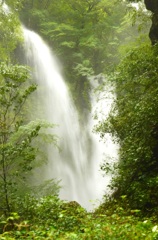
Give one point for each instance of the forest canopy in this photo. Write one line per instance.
(90, 37)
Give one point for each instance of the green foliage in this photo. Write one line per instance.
(51, 218)
(82, 30)
(82, 34)
(18, 148)
(10, 30)
(87, 36)
(134, 122)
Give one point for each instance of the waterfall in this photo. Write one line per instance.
(77, 164)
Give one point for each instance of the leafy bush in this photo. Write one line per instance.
(134, 121)
(18, 148)
(56, 219)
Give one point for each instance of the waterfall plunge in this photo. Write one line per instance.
(78, 163)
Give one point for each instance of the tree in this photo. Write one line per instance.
(82, 35)
(18, 150)
(134, 122)
(10, 27)
(152, 5)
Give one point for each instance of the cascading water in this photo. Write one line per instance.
(77, 164)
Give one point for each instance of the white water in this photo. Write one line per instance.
(78, 163)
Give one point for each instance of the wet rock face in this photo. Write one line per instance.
(152, 5)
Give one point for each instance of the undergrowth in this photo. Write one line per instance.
(51, 218)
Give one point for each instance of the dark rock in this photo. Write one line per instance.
(73, 204)
(153, 34)
(152, 5)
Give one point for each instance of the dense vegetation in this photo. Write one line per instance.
(85, 35)
(50, 218)
(90, 37)
(134, 122)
